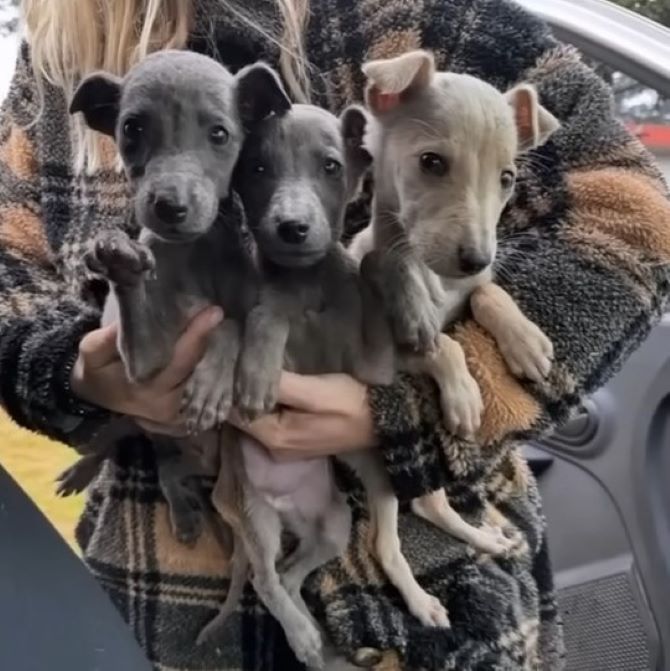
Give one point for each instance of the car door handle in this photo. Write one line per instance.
(538, 461)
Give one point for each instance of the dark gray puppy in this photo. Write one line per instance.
(315, 314)
(179, 120)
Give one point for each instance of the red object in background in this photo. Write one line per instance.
(655, 136)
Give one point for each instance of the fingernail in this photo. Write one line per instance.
(215, 316)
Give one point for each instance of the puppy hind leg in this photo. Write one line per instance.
(383, 508)
(436, 509)
(185, 501)
(238, 578)
(329, 541)
(262, 544)
(427, 608)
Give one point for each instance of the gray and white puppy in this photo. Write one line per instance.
(179, 120)
(296, 173)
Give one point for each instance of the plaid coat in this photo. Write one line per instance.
(585, 251)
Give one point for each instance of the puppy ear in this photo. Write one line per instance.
(354, 123)
(260, 93)
(98, 97)
(534, 123)
(392, 80)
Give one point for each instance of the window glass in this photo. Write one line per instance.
(644, 110)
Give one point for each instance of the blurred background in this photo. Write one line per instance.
(35, 462)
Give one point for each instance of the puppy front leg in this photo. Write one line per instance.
(460, 395)
(414, 317)
(149, 327)
(526, 349)
(209, 392)
(146, 331)
(261, 360)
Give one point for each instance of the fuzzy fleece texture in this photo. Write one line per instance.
(585, 250)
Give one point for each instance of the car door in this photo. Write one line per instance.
(604, 475)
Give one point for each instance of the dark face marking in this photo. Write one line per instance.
(292, 178)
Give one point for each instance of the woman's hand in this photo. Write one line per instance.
(319, 416)
(99, 376)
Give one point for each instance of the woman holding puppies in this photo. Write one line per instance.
(61, 375)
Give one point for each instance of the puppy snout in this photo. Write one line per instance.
(472, 261)
(292, 231)
(169, 210)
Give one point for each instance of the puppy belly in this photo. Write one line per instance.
(305, 486)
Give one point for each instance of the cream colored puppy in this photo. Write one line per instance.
(444, 147)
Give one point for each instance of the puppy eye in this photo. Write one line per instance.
(259, 169)
(132, 130)
(332, 167)
(219, 135)
(507, 179)
(433, 164)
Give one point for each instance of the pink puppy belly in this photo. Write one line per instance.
(305, 485)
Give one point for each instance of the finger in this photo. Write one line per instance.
(98, 348)
(190, 348)
(291, 435)
(263, 429)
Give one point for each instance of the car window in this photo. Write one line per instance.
(644, 110)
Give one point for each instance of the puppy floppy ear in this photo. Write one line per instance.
(392, 80)
(354, 123)
(260, 93)
(98, 97)
(534, 123)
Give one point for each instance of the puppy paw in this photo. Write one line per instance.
(491, 540)
(308, 646)
(206, 406)
(187, 517)
(416, 330)
(429, 610)
(68, 482)
(77, 477)
(255, 393)
(462, 404)
(212, 631)
(413, 315)
(527, 350)
(119, 259)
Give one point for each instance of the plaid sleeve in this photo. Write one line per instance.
(41, 323)
(584, 250)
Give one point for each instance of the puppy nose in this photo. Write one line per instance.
(471, 262)
(169, 211)
(293, 232)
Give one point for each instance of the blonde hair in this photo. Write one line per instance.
(71, 38)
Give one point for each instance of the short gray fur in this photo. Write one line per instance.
(179, 120)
